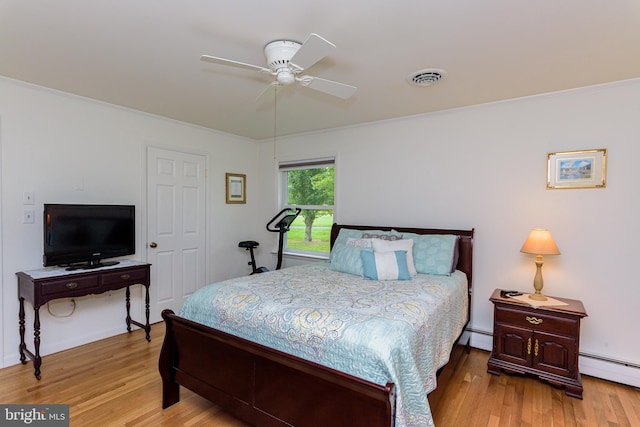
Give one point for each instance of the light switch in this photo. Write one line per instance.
(28, 198)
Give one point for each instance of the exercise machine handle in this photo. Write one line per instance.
(283, 220)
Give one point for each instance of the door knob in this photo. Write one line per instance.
(153, 245)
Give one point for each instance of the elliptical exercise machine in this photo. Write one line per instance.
(279, 224)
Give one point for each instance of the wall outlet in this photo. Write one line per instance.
(28, 216)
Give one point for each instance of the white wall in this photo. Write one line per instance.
(481, 167)
(485, 167)
(68, 149)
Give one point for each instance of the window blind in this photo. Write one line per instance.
(307, 164)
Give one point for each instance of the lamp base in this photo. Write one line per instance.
(538, 283)
(538, 297)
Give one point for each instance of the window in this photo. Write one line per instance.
(309, 185)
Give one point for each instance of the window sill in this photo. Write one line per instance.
(304, 256)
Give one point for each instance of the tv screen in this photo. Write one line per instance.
(87, 234)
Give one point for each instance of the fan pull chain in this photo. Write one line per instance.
(275, 119)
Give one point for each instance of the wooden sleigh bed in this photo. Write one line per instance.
(267, 387)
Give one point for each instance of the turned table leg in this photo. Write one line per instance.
(128, 304)
(147, 327)
(22, 347)
(37, 360)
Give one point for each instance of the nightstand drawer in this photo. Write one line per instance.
(537, 320)
(70, 284)
(132, 276)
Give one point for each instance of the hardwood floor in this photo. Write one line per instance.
(115, 382)
(476, 398)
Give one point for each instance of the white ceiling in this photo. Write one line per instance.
(144, 54)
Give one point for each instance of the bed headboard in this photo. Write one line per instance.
(465, 244)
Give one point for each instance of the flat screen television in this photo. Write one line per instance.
(82, 236)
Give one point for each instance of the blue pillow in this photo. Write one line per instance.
(346, 259)
(344, 235)
(434, 253)
(385, 265)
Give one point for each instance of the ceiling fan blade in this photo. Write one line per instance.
(340, 90)
(233, 63)
(312, 50)
(267, 95)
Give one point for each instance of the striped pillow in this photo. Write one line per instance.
(385, 265)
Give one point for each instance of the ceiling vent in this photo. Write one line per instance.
(426, 77)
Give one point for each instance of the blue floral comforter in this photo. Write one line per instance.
(380, 331)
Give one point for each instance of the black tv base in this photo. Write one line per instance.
(91, 265)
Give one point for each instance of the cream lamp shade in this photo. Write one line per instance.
(539, 242)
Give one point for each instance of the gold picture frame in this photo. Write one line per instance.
(236, 184)
(577, 169)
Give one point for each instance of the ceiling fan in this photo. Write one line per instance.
(288, 59)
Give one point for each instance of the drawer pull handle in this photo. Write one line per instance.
(71, 285)
(529, 346)
(534, 320)
(125, 276)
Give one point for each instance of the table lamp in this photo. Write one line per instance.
(539, 242)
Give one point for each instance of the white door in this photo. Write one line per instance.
(176, 227)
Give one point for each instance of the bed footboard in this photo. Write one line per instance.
(263, 386)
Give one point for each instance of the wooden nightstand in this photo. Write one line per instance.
(541, 341)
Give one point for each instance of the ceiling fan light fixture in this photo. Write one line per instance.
(285, 77)
(426, 77)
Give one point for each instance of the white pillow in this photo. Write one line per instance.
(380, 245)
(385, 265)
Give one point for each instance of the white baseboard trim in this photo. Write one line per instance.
(612, 370)
(481, 340)
(592, 365)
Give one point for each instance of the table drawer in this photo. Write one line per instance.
(69, 284)
(131, 276)
(537, 320)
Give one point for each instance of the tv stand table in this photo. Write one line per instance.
(44, 285)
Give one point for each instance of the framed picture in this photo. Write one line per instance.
(236, 188)
(577, 169)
